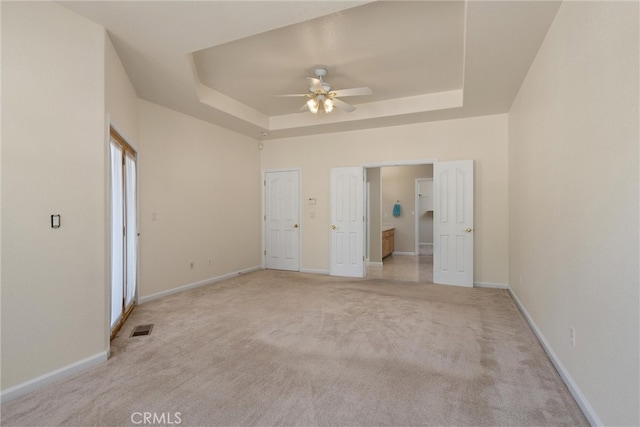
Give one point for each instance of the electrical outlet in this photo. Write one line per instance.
(210, 261)
(572, 336)
(191, 265)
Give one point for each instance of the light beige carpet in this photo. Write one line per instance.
(276, 348)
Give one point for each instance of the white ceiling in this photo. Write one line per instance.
(224, 61)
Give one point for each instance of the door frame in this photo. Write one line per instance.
(264, 213)
(123, 139)
(417, 162)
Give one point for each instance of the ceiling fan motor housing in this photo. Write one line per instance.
(320, 72)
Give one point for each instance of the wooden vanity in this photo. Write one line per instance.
(388, 236)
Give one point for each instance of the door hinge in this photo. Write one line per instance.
(265, 251)
(264, 182)
(265, 217)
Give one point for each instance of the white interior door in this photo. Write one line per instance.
(347, 222)
(453, 223)
(282, 220)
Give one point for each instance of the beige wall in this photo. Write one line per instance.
(375, 216)
(203, 184)
(121, 98)
(483, 139)
(399, 183)
(573, 200)
(53, 162)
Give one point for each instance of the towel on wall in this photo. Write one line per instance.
(396, 210)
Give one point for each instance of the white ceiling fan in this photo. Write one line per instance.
(322, 95)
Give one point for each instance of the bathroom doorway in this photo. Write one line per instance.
(393, 212)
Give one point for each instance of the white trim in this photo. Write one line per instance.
(53, 376)
(374, 264)
(419, 162)
(403, 253)
(490, 285)
(198, 284)
(313, 271)
(577, 394)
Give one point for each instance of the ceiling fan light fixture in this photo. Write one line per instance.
(322, 96)
(313, 105)
(328, 105)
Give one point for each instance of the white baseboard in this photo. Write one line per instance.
(403, 253)
(490, 285)
(313, 271)
(53, 376)
(577, 394)
(194, 285)
(375, 263)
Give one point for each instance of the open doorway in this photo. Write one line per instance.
(424, 215)
(393, 226)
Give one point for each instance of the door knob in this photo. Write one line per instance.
(295, 225)
(468, 229)
(333, 227)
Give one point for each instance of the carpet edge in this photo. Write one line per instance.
(198, 284)
(575, 391)
(53, 376)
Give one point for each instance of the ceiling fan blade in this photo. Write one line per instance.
(316, 84)
(291, 95)
(343, 105)
(304, 108)
(353, 92)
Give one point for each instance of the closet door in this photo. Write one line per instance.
(124, 231)
(282, 220)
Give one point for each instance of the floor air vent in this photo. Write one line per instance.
(141, 330)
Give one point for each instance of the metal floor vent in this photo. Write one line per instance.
(142, 330)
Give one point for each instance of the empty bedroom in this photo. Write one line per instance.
(320, 213)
